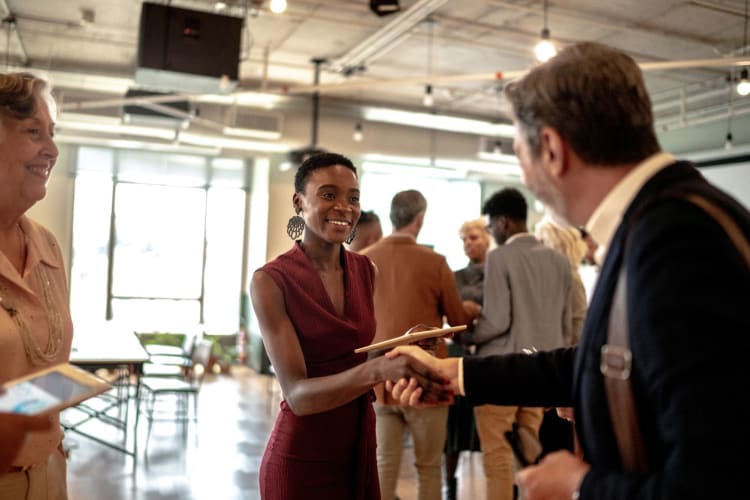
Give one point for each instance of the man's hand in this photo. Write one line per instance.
(566, 413)
(433, 389)
(409, 390)
(472, 309)
(13, 430)
(556, 478)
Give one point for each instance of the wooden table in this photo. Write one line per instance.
(117, 349)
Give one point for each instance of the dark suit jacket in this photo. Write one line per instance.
(689, 329)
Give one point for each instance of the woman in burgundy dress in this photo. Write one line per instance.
(314, 306)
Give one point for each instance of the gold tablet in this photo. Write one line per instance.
(50, 390)
(410, 338)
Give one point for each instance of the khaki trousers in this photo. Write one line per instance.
(46, 481)
(428, 428)
(497, 455)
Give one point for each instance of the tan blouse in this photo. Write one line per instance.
(30, 298)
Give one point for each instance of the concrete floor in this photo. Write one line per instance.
(215, 459)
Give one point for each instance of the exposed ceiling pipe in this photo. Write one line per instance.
(385, 38)
(700, 117)
(9, 20)
(718, 7)
(318, 62)
(667, 104)
(502, 75)
(617, 24)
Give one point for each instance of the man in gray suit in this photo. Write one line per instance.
(526, 308)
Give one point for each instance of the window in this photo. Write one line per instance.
(177, 222)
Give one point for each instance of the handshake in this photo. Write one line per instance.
(413, 375)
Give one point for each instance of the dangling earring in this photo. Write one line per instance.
(295, 226)
(351, 237)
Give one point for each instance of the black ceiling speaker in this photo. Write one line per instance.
(384, 7)
(181, 49)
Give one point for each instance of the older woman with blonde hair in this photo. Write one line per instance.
(462, 434)
(35, 326)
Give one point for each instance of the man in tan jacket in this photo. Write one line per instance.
(413, 285)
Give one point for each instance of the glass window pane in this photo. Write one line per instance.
(225, 226)
(95, 160)
(156, 315)
(158, 168)
(228, 172)
(159, 248)
(91, 216)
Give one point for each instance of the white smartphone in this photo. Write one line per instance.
(50, 390)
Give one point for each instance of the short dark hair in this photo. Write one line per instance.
(19, 93)
(367, 217)
(594, 97)
(405, 206)
(317, 161)
(508, 202)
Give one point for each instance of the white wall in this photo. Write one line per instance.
(734, 179)
(55, 211)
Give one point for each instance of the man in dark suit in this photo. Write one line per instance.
(587, 147)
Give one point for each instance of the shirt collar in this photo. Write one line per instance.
(517, 236)
(40, 245)
(607, 216)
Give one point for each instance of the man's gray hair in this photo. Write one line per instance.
(406, 206)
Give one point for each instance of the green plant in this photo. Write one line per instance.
(224, 350)
(162, 338)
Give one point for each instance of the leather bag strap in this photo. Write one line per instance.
(616, 362)
(616, 357)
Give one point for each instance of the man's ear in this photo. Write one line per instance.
(553, 152)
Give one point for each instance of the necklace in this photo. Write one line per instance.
(37, 355)
(21, 248)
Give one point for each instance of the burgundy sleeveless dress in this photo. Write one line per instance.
(331, 454)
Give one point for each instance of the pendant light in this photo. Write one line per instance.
(545, 49)
(428, 99)
(277, 6)
(358, 135)
(743, 86)
(728, 140)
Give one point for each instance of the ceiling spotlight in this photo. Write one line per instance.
(384, 7)
(277, 6)
(428, 100)
(220, 6)
(545, 49)
(358, 135)
(743, 86)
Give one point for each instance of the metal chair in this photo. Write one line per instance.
(171, 361)
(179, 391)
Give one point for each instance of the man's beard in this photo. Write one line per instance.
(550, 197)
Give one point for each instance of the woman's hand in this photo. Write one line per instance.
(13, 430)
(557, 476)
